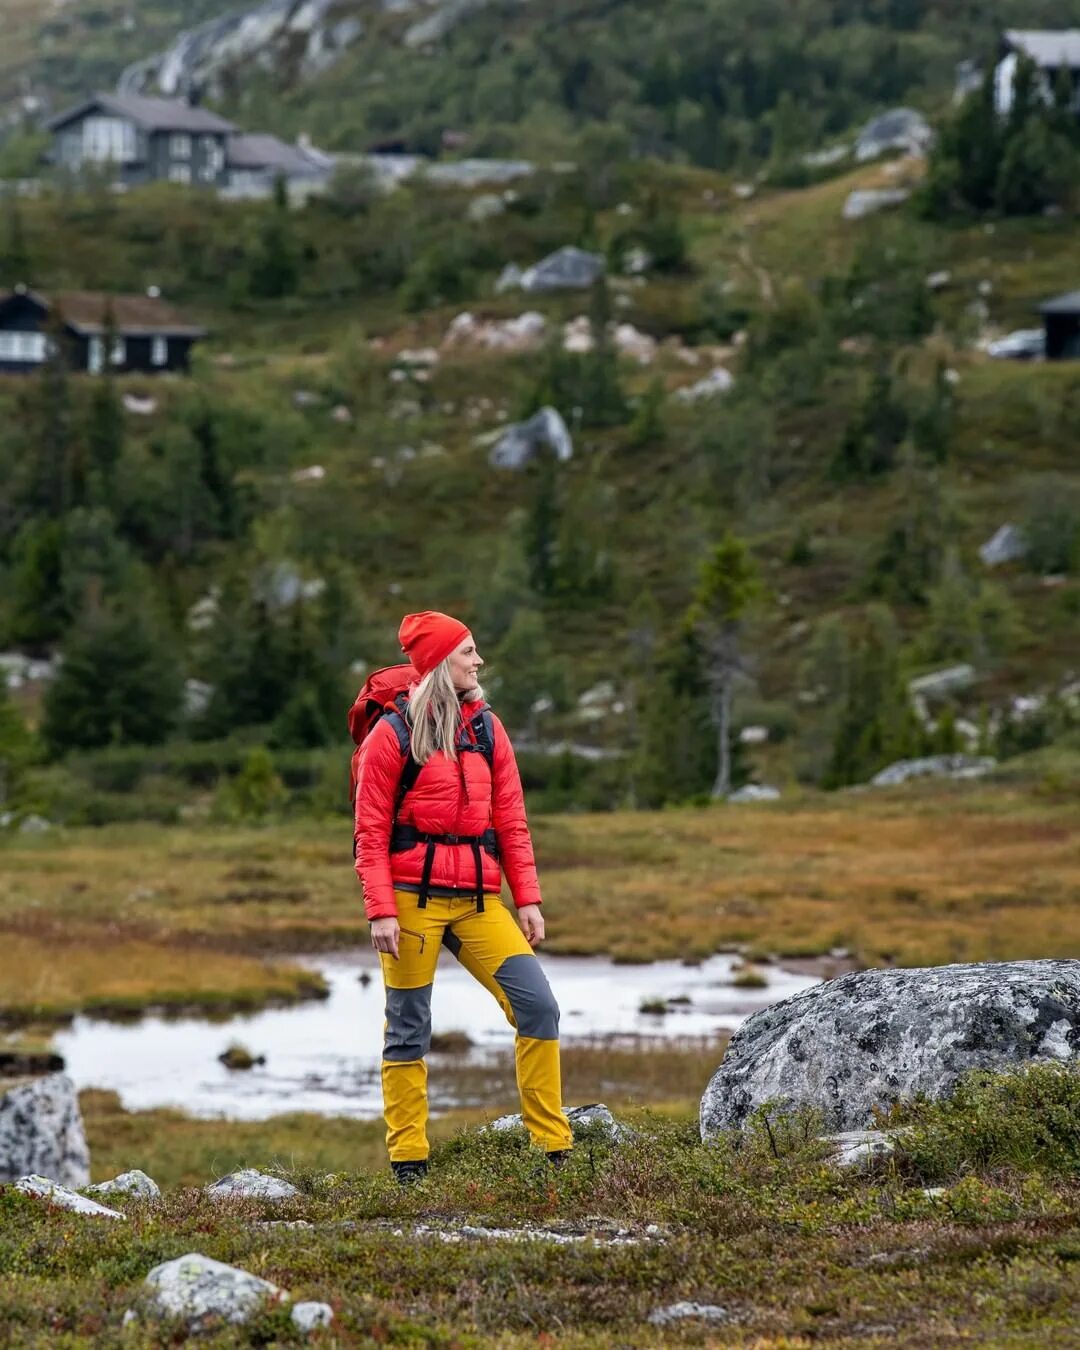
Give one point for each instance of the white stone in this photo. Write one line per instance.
(578, 336)
(250, 1184)
(568, 268)
(864, 202)
(420, 356)
(681, 1312)
(311, 1316)
(937, 281)
(632, 343)
(127, 1183)
(754, 735)
(857, 1148)
(521, 334)
(34, 825)
(939, 683)
(1007, 544)
(200, 1290)
(520, 443)
(197, 696)
(141, 407)
(314, 473)
(41, 1131)
(509, 279)
(41, 1188)
(580, 1118)
(718, 381)
(755, 792)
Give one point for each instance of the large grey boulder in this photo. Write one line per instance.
(1005, 545)
(876, 1037)
(41, 1131)
(521, 442)
(898, 129)
(566, 269)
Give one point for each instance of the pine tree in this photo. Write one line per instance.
(275, 268)
(104, 430)
(118, 683)
(602, 400)
(16, 749)
(728, 584)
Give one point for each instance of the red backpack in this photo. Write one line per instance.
(380, 694)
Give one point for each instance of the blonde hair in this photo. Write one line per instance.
(434, 713)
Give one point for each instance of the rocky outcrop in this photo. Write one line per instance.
(718, 381)
(523, 441)
(934, 766)
(41, 1131)
(1007, 544)
(876, 1037)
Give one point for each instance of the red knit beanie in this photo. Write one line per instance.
(429, 637)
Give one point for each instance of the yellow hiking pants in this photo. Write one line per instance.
(491, 947)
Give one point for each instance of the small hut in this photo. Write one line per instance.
(1061, 319)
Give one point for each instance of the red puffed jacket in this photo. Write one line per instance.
(449, 797)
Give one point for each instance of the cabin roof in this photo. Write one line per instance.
(1048, 48)
(87, 312)
(155, 114)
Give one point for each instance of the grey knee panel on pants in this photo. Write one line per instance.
(535, 1011)
(408, 1023)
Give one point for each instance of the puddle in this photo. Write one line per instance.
(324, 1056)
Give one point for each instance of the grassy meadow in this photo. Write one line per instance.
(135, 916)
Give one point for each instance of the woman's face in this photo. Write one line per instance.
(465, 661)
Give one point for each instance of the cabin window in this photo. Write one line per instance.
(159, 350)
(118, 355)
(180, 145)
(22, 347)
(180, 173)
(213, 154)
(108, 140)
(95, 356)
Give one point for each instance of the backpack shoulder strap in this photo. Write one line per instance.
(410, 769)
(483, 725)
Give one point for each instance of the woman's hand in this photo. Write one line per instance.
(385, 934)
(532, 924)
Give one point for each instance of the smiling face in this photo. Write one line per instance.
(465, 662)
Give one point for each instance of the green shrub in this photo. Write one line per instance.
(1028, 1119)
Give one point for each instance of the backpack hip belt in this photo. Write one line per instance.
(407, 836)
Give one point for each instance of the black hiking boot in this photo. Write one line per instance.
(558, 1157)
(409, 1173)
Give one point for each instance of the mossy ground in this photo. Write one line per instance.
(797, 1252)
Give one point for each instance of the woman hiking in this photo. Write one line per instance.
(440, 816)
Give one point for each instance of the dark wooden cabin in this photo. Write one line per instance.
(1061, 319)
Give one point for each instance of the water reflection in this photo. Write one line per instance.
(324, 1056)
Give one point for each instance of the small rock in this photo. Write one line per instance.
(581, 1118)
(939, 683)
(314, 473)
(578, 336)
(567, 268)
(250, 1184)
(141, 407)
(898, 129)
(128, 1183)
(341, 414)
(311, 1316)
(34, 825)
(509, 279)
(934, 1192)
(937, 281)
(200, 1291)
(858, 1148)
(718, 381)
(520, 443)
(754, 735)
(681, 1312)
(41, 1188)
(304, 398)
(1006, 545)
(864, 202)
(755, 792)
(485, 207)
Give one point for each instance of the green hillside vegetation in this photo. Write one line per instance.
(863, 455)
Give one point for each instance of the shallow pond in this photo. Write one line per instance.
(324, 1056)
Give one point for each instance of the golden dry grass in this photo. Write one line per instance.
(954, 873)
